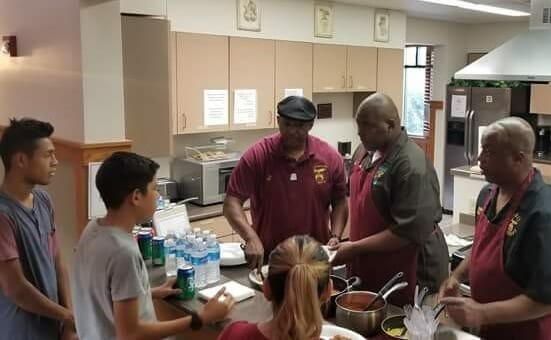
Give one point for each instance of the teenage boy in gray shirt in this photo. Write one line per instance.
(112, 296)
(34, 287)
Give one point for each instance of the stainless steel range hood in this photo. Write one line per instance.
(526, 57)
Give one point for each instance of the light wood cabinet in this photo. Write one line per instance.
(540, 102)
(293, 68)
(201, 64)
(390, 74)
(146, 80)
(252, 66)
(329, 68)
(344, 68)
(361, 68)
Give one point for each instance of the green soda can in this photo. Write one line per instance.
(158, 251)
(185, 280)
(146, 247)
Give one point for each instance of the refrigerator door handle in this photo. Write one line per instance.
(467, 138)
(473, 152)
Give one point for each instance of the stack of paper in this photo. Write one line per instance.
(237, 290)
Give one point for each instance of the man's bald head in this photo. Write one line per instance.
(379, 105)
(513, 133)
(507, 147)
(378, 122)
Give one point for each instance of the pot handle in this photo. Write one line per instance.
(353, 282)
(397, 286)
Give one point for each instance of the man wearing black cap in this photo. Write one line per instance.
(295, 183)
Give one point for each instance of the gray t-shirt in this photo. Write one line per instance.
(108, 267)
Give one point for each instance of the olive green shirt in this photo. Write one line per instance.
(406, 193)
(527, 243)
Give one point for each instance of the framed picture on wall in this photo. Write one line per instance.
(323, 20)
(381, 31)
(248, 15)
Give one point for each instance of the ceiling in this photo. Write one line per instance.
(422, 9)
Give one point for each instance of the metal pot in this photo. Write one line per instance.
(350, 313)
(340, 286)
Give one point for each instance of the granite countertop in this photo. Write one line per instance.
(258, 309)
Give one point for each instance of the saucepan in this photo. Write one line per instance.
(351, 314)
(340, 286)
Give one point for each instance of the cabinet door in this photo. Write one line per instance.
(539, 99)
(201, 64)
(293, 68)
(361, 69)
(390, 74)
(329, 68)
(252, 67)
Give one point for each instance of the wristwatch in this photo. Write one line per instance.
(196, 322)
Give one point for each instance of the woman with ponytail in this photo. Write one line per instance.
(297, 284)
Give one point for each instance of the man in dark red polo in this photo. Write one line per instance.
(295, 183)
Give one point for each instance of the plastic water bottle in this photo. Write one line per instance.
(213, 265)
(180, 250)
(197, 232)
(189, 243)
(160, 203)
(171, 264)
(199, 260)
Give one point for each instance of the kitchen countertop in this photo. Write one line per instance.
(197, 212)
(258, 309)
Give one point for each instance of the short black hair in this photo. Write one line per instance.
(122, 173)
(22, 136)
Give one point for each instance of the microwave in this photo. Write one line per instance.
(206, 180)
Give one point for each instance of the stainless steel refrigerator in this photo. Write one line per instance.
(468, 111)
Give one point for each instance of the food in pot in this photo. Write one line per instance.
(396, 331)
(359, 306)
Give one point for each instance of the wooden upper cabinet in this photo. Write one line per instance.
(361, 69)
(252, 67)
(329, 68)
(539, 99)
(201, 64)
(293, 68)
(390, 74)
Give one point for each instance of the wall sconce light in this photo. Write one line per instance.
(9, 45)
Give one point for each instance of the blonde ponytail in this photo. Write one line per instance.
(298, 275)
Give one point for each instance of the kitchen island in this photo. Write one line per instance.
(255, 309)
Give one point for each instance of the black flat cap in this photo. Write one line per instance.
(297, 108)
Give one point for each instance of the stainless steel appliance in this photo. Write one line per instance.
(168, 189)
(543, 138)
(468, 109)
(207, 180)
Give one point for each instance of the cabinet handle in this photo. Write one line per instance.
(343, 82)
(184, 121)
(351, 82)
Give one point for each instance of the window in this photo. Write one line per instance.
(418, 86)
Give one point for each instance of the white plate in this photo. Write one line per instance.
(253, 277)
(231, 254)
(329, 331)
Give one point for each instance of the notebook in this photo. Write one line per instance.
(237, 290)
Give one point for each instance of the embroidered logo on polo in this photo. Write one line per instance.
(379, 174)
(513, 225)
(320, 173)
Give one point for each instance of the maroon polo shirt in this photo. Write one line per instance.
(289, 197)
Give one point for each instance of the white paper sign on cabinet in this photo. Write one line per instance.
(244, 106)
(215, 107)
(294, 92)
